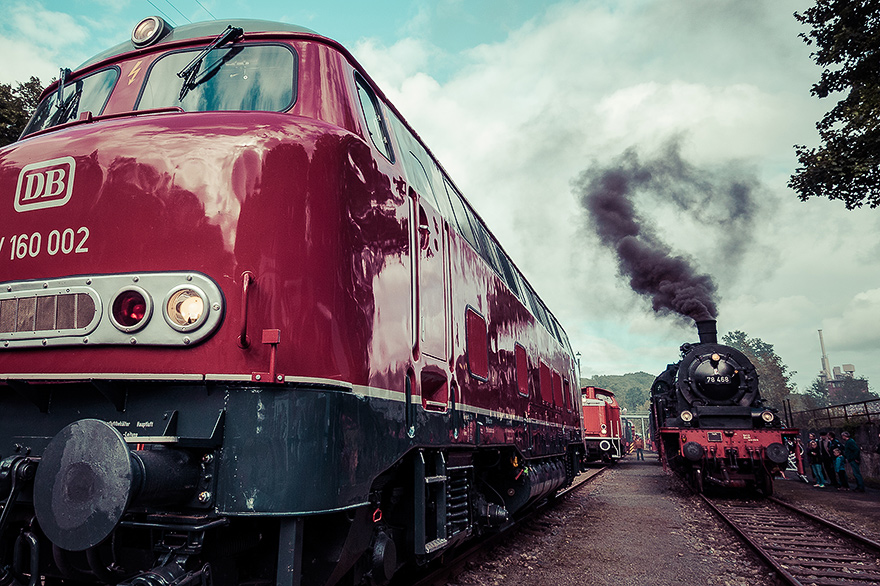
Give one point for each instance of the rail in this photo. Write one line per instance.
(805, 550)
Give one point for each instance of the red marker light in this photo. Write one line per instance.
(131, 308)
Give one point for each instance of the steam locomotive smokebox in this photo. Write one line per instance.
(708, 331)
(87, 478)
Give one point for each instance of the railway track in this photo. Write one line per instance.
(804, 549)
(529, 523)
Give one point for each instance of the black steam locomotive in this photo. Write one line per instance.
(712, 423)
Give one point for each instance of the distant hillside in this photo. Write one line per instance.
(632, 390)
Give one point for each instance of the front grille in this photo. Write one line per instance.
(46, 313)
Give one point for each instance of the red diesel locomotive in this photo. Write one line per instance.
(251, 332)
(710, 422)
(603, 428)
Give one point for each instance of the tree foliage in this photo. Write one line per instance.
(17, 104)
(774, 377)
(851, 390)
(633, 390)
(846, 165)
(818, 394)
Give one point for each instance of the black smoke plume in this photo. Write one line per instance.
(713, 197)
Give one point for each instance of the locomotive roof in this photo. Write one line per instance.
(210, 28)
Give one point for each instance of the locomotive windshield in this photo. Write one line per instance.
(242, 77)
(87, 94)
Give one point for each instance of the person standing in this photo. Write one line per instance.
(834, 444)
(840, 468)
(816, 462)
(639, 445)
(853, 455)
(826, 454)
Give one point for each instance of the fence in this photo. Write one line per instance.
(837, 415)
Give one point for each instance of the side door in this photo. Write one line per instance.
(431, 291)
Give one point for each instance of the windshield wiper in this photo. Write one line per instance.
(70, 107)
(62, 80)
(188, 74)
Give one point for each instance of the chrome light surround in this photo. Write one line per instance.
(79, 310)
(149, 31)
(118, 298)
(178, 315)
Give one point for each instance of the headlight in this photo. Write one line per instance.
(149, 31)
(131, 309)
(687, 416)
(767, 416)
(185, 308)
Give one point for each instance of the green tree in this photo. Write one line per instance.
(818, 393)
(774, 377)
(846, 36)
(851, 390)
(632, 390)
(17, 104)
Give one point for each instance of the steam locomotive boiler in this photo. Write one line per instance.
(250, 330)
(711, 421)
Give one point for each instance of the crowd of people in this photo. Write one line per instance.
(829, 459)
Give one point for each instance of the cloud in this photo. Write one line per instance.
(36, 41)
(53, 30)
(22, 60)
(581, 83)
(517, 115)
(856, 327)
(393, 66)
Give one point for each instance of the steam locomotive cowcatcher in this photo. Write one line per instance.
(712, 423)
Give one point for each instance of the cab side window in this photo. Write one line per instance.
(373, 115)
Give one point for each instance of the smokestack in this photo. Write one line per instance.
(708, 331)
(826, 365)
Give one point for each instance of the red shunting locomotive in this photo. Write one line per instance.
(711, 421)
(603, 428)
(251, 332)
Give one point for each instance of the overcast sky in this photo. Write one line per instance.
(522, 100)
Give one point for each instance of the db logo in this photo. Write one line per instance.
(48, 184)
